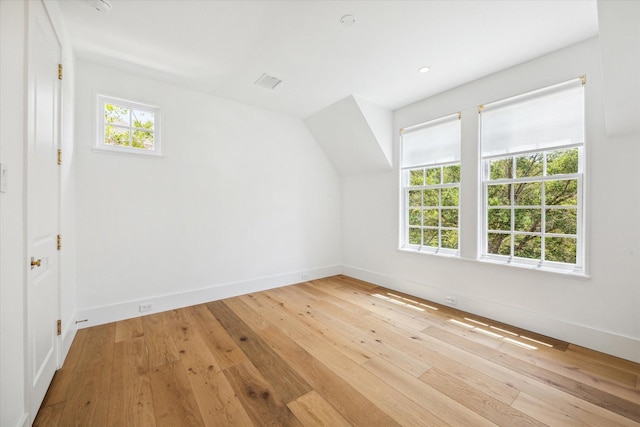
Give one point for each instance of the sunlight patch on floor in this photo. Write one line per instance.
(497, 335)
(407, 302)
(398, 301)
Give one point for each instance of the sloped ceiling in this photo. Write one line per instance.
(355, 134)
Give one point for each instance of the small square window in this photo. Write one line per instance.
(127, 127)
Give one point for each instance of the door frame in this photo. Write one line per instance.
(28, 165)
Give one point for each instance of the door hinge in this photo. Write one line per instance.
(59, 244)
(59, 326)
(59, 71)
(59, 156)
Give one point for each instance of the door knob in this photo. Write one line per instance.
(35, 262)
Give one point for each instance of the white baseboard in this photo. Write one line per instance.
(126, 310)
(585, 336)
(596, 339)
(24, 421)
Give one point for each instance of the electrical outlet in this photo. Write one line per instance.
(145, 307)
(305, 276)
(451, 300)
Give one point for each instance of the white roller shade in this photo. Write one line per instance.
(550, 117)
(437, 141)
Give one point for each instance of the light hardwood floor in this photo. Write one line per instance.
(333, 352)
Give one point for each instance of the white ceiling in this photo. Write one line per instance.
(223, 47)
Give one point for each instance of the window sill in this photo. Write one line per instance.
(567, 272)
(128, 152)
(431, 251)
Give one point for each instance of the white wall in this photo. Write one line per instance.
(12, 257)
(600, 312)
(619, 23)
(243, 199)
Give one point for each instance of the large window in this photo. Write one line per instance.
(533, 172)
(431, 186)
(127, 126)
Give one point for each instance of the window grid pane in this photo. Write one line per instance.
(136, 124)
(533, 215)
(127, 126)
(432, 198)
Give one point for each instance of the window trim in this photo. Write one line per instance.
(578, 267)
(403, 235)
(100, 145)
(405, 244)
(472, 202)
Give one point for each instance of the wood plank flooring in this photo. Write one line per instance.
(333, 352)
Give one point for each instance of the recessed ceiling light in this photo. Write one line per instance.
(424, 69)
(348, 20)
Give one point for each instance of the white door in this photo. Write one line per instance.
(42, 203)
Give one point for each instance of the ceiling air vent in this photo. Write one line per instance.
(267, 81)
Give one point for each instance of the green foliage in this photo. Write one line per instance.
(499, 243)
(128, 128)
(450, 196)
(114, 114)
(501, 168)
(415, 217)
(433, 176)
(562, 193)
(116, 136)
(561, 221)
(451, 174)
(426, 215)
(415, 236)
(430, 237)
(499, 195)
(529, 165)
(527, 194)
(450, 239)
(562, 161)
(416, 177)
(415, 198)
(499, 219)
(560, 249)
(430, 217)
(450, 218)
(527, 220)
(432, 197)
(527, 246)
(141, 139)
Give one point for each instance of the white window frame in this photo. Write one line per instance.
(579, 267)
(101, 100)
(405, 183)
(542, 263)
